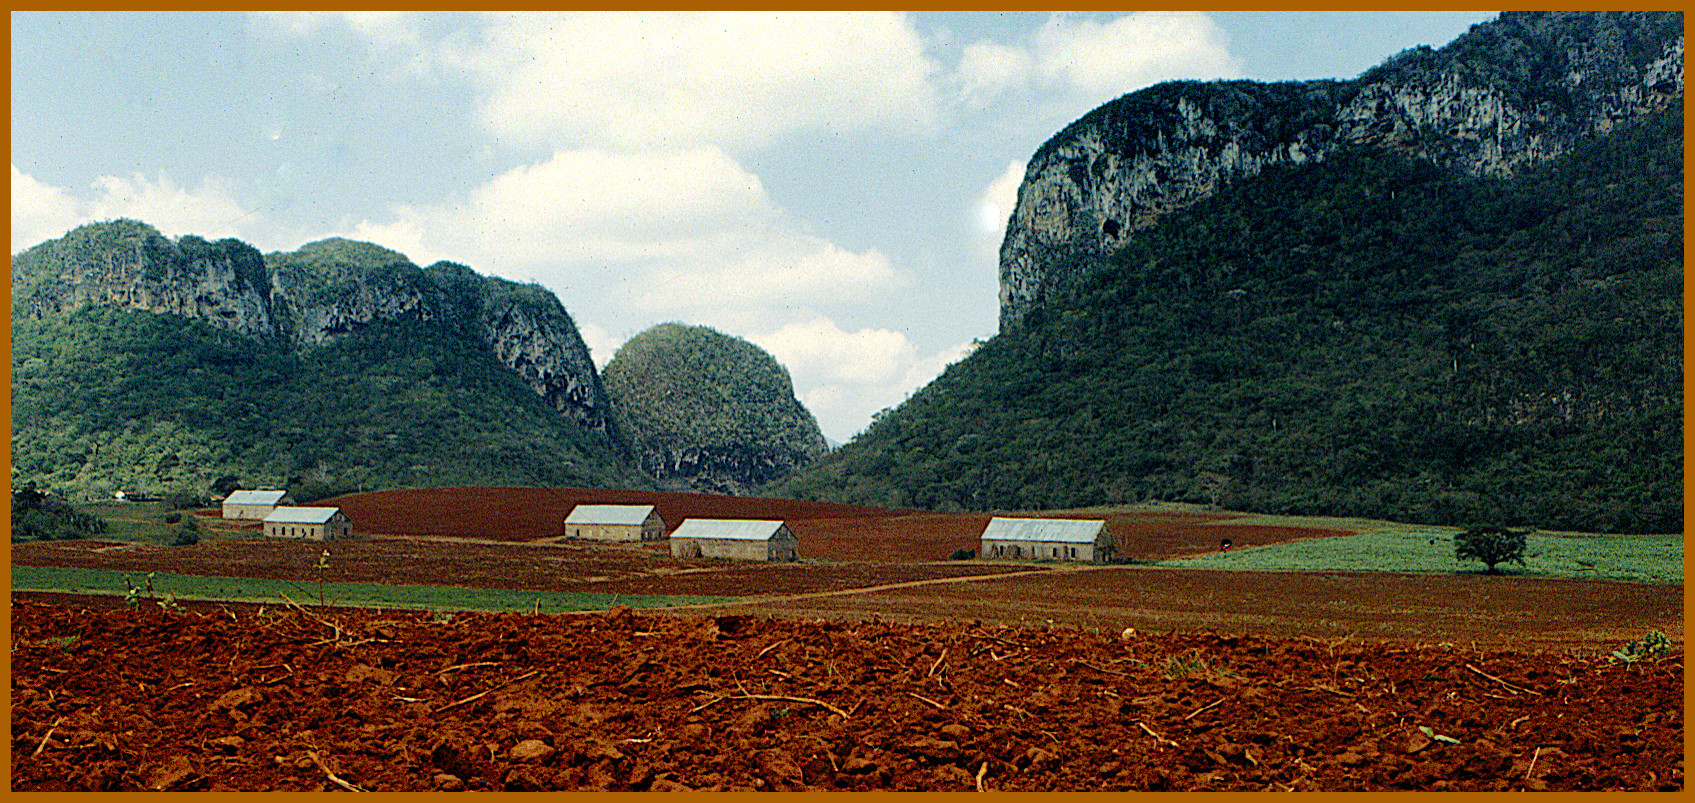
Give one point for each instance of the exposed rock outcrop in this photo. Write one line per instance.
(312, 296)
(127, 264)
(531, 333)
(1515, 91)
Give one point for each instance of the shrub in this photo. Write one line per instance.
(173, 517)
(963, 554)
(1492, 545)
(188, 534)
(182, 498)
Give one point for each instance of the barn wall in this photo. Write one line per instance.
(258, 512)
(605, 532)
(731, 549)
(1040, 550)
(339, 528)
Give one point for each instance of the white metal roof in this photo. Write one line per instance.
(732, 529)
(301, 515)
(254, 497)
(609, 514)
(1076, 531)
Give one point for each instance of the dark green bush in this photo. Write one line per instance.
(1491, 545)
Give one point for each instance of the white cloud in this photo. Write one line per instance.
(844, 377)
(659, 234)
(1133, 51)
(741, 283)
(394, 38)
(209, 210)
(994, 205)
(988, 215)
(988, 69)
(380, 29)
(291, 23)
(602, 345)
(585, 206)
(629, 79)
(1094, 62)
(42, 212)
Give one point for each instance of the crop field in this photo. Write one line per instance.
(1627, 558)
(476, 656)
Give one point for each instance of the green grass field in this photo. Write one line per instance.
(373, 595)
(1630, 558)
(144, 523)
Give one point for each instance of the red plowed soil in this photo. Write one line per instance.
(343, 699)
(527, 514)
(827, 531)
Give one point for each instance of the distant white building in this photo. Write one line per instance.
(254, 505)
(615, 523)
(738, 539)
(1050, 539)
(309, 523)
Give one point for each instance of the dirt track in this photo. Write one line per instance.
(298, 700)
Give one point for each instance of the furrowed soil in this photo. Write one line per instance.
(874, 665)
(359, 700)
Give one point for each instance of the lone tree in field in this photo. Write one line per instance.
(1491, 545)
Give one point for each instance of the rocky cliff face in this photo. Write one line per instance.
(312, 296)
(127, 264)
(533, 335)
(1515, 91)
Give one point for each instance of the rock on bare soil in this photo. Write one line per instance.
(291, 699)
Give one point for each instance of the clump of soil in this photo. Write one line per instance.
(293, 699)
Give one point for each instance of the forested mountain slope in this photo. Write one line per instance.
(145, 364)
(1368, 335)
(107, 399)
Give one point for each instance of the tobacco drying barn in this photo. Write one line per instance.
(254, 505)
(1050, 539)
(738, 539)
(309, 523)
(615, 523)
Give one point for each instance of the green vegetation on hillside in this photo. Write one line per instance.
(106, 400)
(1367, 336)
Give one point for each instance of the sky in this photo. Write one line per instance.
(833, 187)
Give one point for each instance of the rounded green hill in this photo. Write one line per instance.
(707, 411)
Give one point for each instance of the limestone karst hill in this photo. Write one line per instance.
(707, 411)
(1449, 291)
(1510, 93)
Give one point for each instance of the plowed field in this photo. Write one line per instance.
(346, 699)
(827, 531)
(877, 666)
